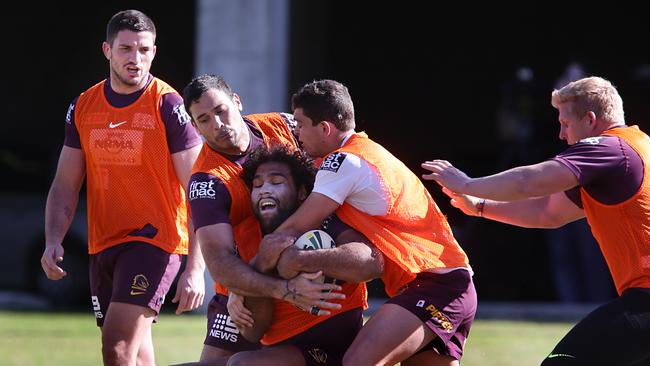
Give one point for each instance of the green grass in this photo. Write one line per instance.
(73, 339)
(511, 343)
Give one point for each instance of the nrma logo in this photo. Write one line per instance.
(114, 143)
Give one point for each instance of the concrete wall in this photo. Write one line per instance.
(246, 41)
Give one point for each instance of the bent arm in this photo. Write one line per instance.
(354, 259)
(226, 268)
(309, 215)
(229, 270)
(63, 196)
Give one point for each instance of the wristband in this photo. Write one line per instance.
(479, 207)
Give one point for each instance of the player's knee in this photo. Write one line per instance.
(211, 354)
(115, 353)
(115, 350)
(240, 359)
(145, 358)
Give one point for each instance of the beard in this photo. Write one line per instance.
(269, 224)
(126, 81)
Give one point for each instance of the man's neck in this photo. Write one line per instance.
(611, 127)
(346, 136)
(245, 140)
(122, 88)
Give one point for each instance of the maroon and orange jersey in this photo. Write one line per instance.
(132, 187)
(622, 230)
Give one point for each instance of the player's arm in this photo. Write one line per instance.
(354, 259)
(190, 288)
(522, 182)
(60, 208)
(184, 143)
(546, 212)
(253, 315)
(309, 215)
(218, 246)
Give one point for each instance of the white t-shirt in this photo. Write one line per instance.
(344, 177)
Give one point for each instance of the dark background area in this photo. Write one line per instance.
(427, 83)
(52, 53)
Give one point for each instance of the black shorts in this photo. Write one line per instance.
(617, 333)
(222, 331)
(325, 343)
(133, 273)
(446, 303)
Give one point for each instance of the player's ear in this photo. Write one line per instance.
(106, 49)
(592, 119)
(237, 100)
(302, 194)
(327, 127)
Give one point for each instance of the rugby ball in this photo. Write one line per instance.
(314, 240)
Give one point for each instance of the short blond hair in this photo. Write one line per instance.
(591, 94)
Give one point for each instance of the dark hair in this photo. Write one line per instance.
(326, 100)
(300, 164)
(133, 20)
(200, 84)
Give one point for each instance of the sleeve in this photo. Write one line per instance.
(574, 195)
(338, 176)
(608, 168)
(72, 138)
(181, 135)
(593, 158)
(209, 200)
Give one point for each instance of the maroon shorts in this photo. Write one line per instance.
(222, 332)
(325, 343)
(446, 303)
(134, 273)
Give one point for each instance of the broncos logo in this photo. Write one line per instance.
(140, 285)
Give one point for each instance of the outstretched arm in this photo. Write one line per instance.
(523, 182)
(546, 212)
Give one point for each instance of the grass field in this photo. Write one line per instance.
(73, 339)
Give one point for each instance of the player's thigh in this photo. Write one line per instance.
(126, 322)
(391, 335)
(286, 355)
